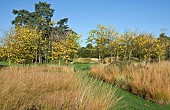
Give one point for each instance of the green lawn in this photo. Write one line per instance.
(82, 67)
(129, 101)
(3, 63)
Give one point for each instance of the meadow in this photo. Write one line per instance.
(44, 64)
(150, 82)
(50, 87)
(130, 101)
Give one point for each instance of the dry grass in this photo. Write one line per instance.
(86, 60)
(151, 81)
(49, 87)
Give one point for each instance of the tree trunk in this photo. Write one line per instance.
(100, 58)
(130, 54)
(66, 62)
(50, 49)
(111, 57)
(39, 55)
(117, 56)
(36, 57)
(46, 53)
(59, 63)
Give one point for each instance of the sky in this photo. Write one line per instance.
(142, 15)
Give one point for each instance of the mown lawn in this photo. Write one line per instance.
(129, 101)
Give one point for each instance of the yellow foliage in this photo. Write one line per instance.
(67, 48)
(21, 44)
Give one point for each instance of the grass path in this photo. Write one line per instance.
(129, 101)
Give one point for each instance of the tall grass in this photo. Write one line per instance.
(48, 88)
(151, 81)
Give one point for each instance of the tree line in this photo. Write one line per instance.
(37, 38)
(106, 41)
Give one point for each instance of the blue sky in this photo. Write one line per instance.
(84, 15)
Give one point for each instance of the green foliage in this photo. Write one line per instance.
(88, 52)
(40, 18)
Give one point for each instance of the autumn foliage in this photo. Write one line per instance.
(22, 45)
(146, 47)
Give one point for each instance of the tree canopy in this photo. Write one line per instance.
(37, 38)
(143, 46)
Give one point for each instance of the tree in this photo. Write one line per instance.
(158, 49)
(165, 40)
(41, 19)
(100, 38)
(44, 13)
(112, 34)
(82, 52)
(67, 48)
(88, 52)
(19, 45)
(128, 43)
(2, 54)
(143, 45)
(146, 47)
(22, 18)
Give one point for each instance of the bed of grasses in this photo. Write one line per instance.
(51, 87)
(151, 82)
(33, 98)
